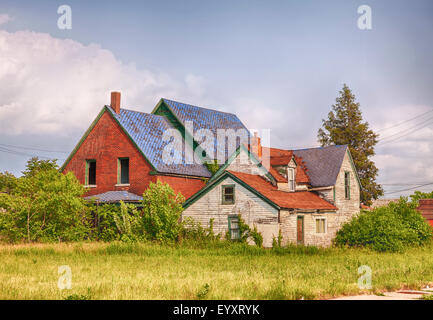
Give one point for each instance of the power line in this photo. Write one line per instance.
(32, 148)
(400, 123)
(19, 153)
(408, 129)
(406, 134)
(422, 185)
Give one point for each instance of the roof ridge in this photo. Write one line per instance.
(191, 105)
(323, 147)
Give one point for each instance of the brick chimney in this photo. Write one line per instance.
(256, 145)
(115, 101)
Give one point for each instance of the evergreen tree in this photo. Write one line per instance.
(345, 126)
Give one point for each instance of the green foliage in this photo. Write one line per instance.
(277, 242)
(192, 230)
(420, 195)
(8, 182)
(202, 293)
(345, 126)
(162, 210)
(246, 233)
(213, 166)
(45, 205)
(390, 228)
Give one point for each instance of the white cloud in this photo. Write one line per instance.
(5, 18)
(55, 86)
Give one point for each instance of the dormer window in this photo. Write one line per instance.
(291, 178)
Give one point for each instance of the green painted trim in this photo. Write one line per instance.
(119, 170)
(83, 138)
(223, 188)
(233, 157)
(86, 177)
(212, 185)
(353, 167)
(230, 217)
(347, 186)
(333, 190)
(187, 136)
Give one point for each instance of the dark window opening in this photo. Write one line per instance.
(228, 194)
(234, 228)
(124, 171)
(91, 172)
(347, 185)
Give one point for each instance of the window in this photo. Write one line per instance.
(234, 228)
(90, 172)
(123, 171)
(320, 225)
(347, 185)
(291, 178)
(228, 194)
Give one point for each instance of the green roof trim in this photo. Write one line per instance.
(233, 157)
(84, 137)
(214, 183)
(353, 167)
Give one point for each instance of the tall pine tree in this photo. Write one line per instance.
(345, 126)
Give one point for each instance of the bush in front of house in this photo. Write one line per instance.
(43, 205)
(390, 228)
(162, 209)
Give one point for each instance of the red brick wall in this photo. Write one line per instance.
(186, 186)
(106, 143)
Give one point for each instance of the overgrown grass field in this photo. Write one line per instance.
(218, 271)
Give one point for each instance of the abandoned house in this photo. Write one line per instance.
(303, 195)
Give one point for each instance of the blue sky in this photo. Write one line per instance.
(277, 64)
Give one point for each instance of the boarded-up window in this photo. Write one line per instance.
(291, 178)
(347, 185)
(90, 172)
(234, 228)
(320, 225)
(228, 194)
(123, 171)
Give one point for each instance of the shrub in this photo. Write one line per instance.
(162, 209)
(44, 205)
(390, 228)
(246, 233)
(192, 230)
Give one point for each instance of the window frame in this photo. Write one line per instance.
(223, 200)
(347, 185)
(119, 171)
(230, 217)
(291, 180)
(86, 174)
(325, 225)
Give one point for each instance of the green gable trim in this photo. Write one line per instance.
(164, 110)
(354, 168)
(209, 187)
(83, 138)
(234, 156)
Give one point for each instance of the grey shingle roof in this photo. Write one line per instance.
(115, 196)
(146, 130)
(203, 118)
(323, 163)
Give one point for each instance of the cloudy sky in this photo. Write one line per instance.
(276, 64)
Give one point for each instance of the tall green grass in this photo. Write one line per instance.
(218, 270)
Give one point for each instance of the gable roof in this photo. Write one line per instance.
(204, 118)
(323, 163)
(147, 130)
(266, 191)
(287, 200)
(146, 133)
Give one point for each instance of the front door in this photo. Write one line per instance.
(300, 229)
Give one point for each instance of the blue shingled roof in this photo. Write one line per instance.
(115, 196)
(146, 130)
(323, 163)
(203, 118)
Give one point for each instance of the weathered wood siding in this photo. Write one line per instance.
(253, 210)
